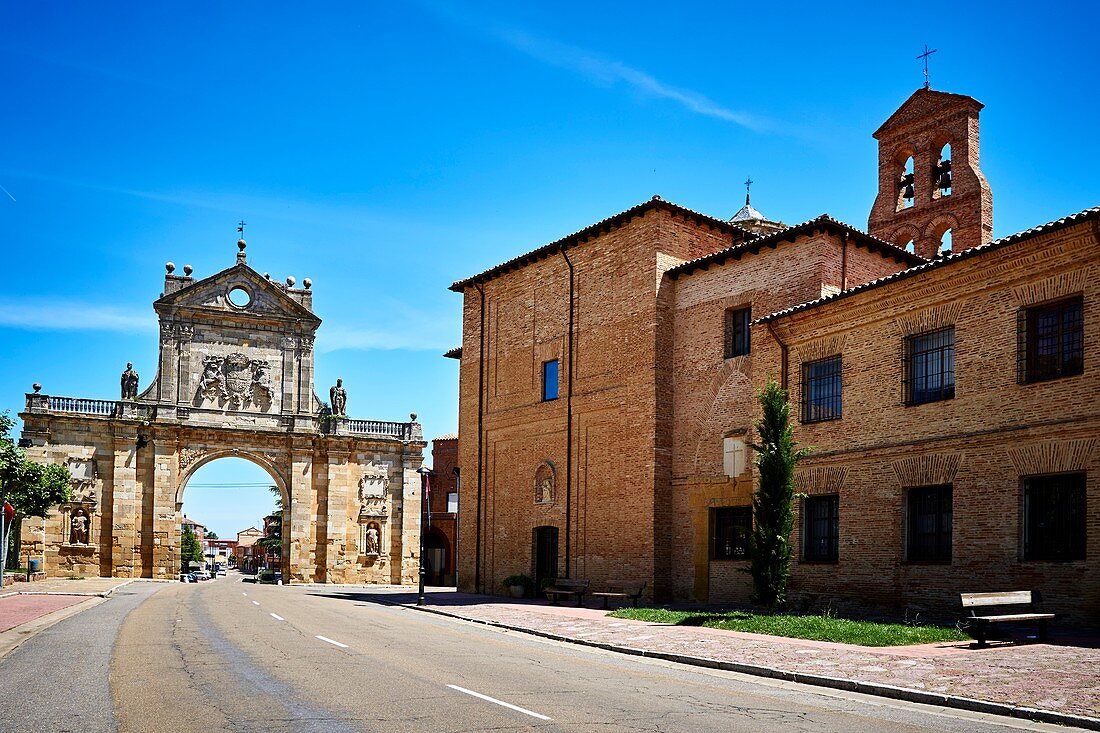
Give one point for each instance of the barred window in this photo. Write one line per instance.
(821, 390)
(1054, 517)
(930, 366)
(930, 519)
(730, 528)
(821, 525)
(1051, 341)
(737, 331)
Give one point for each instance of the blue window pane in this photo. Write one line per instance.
(550, 380)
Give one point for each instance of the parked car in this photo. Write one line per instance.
(202, 574)
(187, 578)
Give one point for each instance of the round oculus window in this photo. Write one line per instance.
(240, 297)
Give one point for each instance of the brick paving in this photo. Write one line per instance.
(16, 610)
(1063, 677)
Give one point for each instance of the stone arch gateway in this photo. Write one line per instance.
(234, 378)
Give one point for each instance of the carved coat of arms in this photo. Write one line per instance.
(372, 491)
(236, 380)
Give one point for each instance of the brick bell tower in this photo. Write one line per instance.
(931, 193)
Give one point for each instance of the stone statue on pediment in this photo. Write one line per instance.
(339, 397)
(129, 382)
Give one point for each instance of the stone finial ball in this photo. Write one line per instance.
(290, 281)
(307, 283)
(187, 269)
(170, 266)
(413, 416)
(241, 244)
(267, 276)
(36, 387)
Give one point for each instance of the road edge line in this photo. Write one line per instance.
(906, 694)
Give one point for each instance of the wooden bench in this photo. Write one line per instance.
(982, 623)
(566, 587)
(623, 589)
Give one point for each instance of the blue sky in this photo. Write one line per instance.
(387, 149)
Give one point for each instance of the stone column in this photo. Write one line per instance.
(289, 377)
(125, 497)
(305, 375)
(183, 382)
(301, 553)
(336, 516)
(165, 524)
(168, 366)
(407, 570)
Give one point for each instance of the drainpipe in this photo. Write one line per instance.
(783, 356)
(569, 423)
(480, 440)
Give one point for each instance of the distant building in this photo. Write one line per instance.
(198, 529)
(248, 556)
(440, 543)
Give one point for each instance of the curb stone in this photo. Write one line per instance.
(837, 683)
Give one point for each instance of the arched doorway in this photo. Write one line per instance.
(436, 558)
(236, 506)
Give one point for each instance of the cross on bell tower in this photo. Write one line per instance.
(927, 52)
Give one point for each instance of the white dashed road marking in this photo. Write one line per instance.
(508, 705)
(255, 603)
(330, 641)
(277, 617)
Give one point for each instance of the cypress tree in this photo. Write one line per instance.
(773, 502)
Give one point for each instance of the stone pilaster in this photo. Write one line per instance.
(165, 519)
(337, 560)
(301, 553)
(125, 498)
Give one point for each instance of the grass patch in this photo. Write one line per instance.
(816, 627)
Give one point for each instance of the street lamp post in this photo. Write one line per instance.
(424, 472)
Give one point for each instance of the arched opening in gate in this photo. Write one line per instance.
(242, 500)
(437, 562)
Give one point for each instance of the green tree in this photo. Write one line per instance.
(33, 489)
(212, 535)
(190, 549)
(773, 502)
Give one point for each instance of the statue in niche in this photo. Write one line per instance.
(211, 384)
(129, 382)
(339, 397)
(544, 484)
(372, 540)
(78, 528)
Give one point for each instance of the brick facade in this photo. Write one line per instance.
(647, 436)
(443, 526)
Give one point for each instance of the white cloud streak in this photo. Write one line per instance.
(63, 315)
(607, 71)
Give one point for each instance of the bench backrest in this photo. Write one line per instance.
(630, 587)
(1004, 598)
(567, 584)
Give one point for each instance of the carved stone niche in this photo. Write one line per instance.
(84, 475)
(544, 483)
(76, 521)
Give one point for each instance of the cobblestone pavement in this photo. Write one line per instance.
(1063, 677)
(17, 610)
(69, 586)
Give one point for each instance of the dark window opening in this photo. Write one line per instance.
(737, 331)
(930, 518)
(1051, 341)
(550, 380)
(821, 523)
(930, 367)
(1054, 517)
(730, 528)
(821, 390)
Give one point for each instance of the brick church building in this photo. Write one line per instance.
(946, 382)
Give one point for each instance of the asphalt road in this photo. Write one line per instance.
(226, 655)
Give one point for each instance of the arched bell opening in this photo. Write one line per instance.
(942, 177)
(905, 180)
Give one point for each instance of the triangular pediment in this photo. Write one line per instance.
(925, 103)
(266, 299)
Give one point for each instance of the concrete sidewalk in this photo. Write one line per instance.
(102, 587)
(1058, 682)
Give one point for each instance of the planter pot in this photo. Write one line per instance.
(517, 591)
